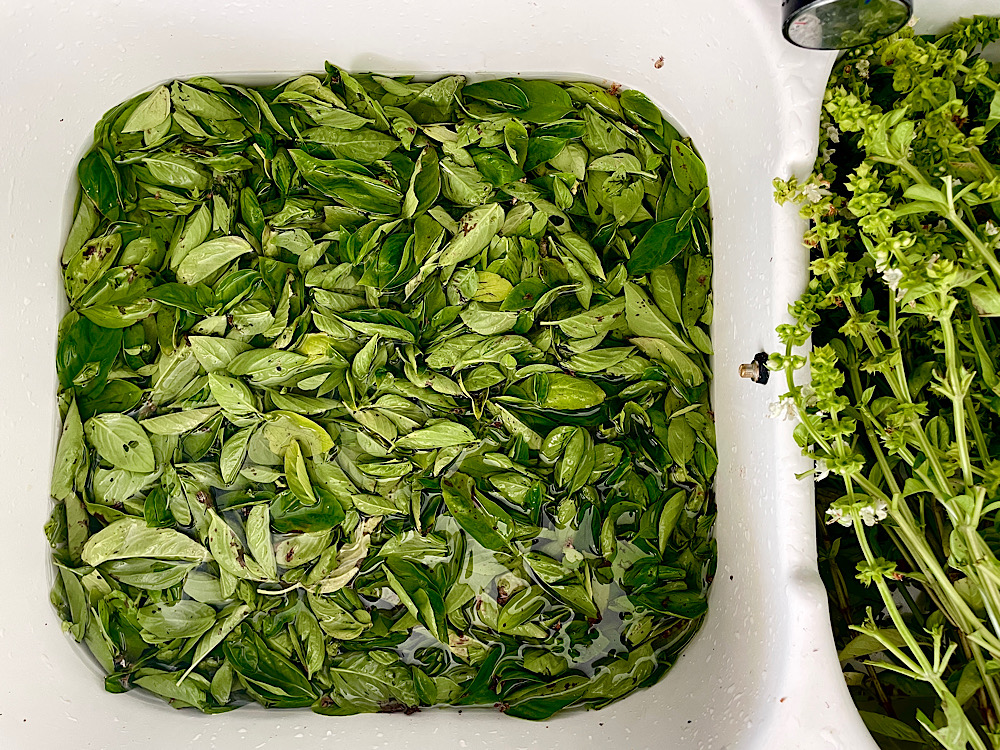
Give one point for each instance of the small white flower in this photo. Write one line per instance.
(826, 154)
(991, 228)
(833, 134)
(837, 516)
(872, 514)
(783, 409)
(814, 192)
(572, 556)
(862, 67)
(821, 471)
(912, 22)
(892, 277)
(941, 226)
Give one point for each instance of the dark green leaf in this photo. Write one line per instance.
(661, 244)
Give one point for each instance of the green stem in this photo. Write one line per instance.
(841, 598)
(982, 163)
(980, 247)
(952, 215)
(977, 432)
(898, 385)
(926, 669)
(957, 399)
(985, 81)
(873, 441)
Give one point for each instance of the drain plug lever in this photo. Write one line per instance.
(757, 369)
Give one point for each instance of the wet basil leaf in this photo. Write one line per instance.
(121, 441)
(501, 94)
(661, 244)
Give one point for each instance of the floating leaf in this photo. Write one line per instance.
(121, 441)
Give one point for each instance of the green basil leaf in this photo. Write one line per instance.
(660, 245)
(209, 257)
(121, 441)
(362, 145)
(130, 537)
(501, 94)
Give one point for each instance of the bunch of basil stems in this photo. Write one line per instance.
(902, 413)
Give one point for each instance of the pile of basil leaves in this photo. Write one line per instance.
(380, 394)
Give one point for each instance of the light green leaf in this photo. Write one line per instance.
(131, 537)
(297, 475)
(566, 393)
(863, 644)
(886, 726)
(266, 366)
(209, 257)
(201, 103)
(282, 427)
(475, 230)
(441, 435)
(214, 353)
(669, 517)
(164, 621)
(645, 319)
(234, 453)
(152, 111)
(177, 171)
(234, 396)
(584, 253)
(258, 530)
(179, 422)
(298, 549)
(121, 441)
(362, 145)
(227, 621)
(228, 552)
(69, 454)
(688, 170)
(195, 232)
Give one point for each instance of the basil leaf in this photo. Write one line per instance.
(180, 422)
(362, 145)
(121, 441)
(492, 530)
(501, 94)
(209, 257)
(547, 101)
(130, 537)
(353, 189)
(661, 244)
(101, 182)
(69, 454)
(164, 621)
(151, 112)
(441, 435)
(476, 229)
